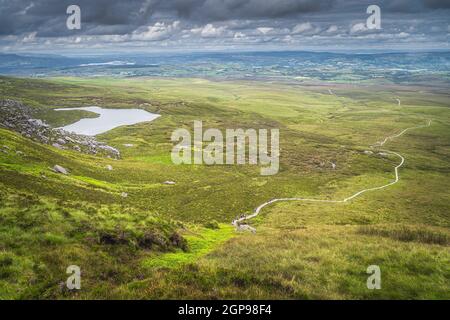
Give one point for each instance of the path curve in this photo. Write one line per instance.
(236, 222)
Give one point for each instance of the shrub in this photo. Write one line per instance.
(212, 225)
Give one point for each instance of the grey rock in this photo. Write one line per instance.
(61, 141)
(16, 116)
(245, 227)
(59, 169)
(57, 145)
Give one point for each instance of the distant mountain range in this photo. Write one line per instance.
(288, 65)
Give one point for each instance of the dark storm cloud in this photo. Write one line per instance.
(41, 24)
(216, 10)
(48, 17)
(437, 4)
(415, 5)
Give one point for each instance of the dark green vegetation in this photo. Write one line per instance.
(162, 241)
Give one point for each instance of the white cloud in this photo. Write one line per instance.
(332, 29)
(305, 28)
(25, 11)
(359, 27)
(302, 27)
(239, 35)
(209, 31)
(288, 39)
(264, 30)
(31, 37)
(159, 31)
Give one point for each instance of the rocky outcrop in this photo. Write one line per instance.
(18, 117)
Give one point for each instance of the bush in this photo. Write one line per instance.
(151, 239)
(212, 225)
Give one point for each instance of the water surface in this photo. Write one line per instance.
(108, 119)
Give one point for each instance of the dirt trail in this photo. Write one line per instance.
(376, 145)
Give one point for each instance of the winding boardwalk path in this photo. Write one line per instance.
(379, 144)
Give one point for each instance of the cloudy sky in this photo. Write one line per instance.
(164, 25)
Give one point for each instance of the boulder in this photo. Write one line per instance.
(61, 141)
(245, 227)
(59, 169)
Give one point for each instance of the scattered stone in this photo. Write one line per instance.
(109, 167)
(59, 169)
(69, 139)
(245, 227)
(58, 146)
(110, 150)
(38, 123)
(61, 141)
(368, 152)
(124, 195)
(169, 182)
(333, 166)
(128, 145)
(18, 117)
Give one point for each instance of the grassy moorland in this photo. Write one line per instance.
(176, 241)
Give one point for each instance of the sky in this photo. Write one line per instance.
(201, 25)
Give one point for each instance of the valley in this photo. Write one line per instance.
(175, 240)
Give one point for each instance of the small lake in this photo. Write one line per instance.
(108, 119)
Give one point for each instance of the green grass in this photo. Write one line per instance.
(201, 242)
(125, 246)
